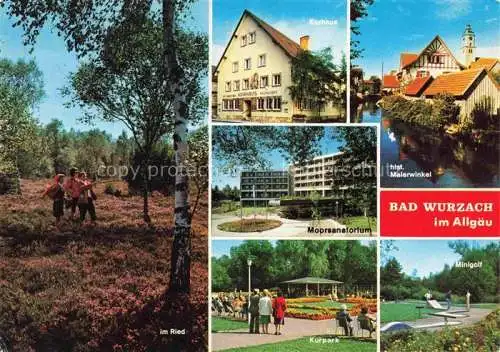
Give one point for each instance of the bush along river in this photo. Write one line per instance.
(419, 157)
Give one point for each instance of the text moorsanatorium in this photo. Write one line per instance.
(338, 230)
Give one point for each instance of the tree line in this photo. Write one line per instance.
(482, 283)
(241, 147)
(346, 261)
(140, 64)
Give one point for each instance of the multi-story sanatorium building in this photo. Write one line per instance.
(312, 176)
(315, 176)
(261, 187)
(255, 72)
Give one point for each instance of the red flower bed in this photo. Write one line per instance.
(291, 313)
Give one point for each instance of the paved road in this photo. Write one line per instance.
(293, 329)
(289, 227)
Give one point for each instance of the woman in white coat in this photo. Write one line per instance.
(265, 311)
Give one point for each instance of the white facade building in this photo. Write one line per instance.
(254, 74)
(315, 176)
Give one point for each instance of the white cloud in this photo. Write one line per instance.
(451, 9)
(491, 20)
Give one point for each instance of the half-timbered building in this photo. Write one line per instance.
(434, 60)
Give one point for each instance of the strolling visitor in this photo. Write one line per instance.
(345, 320)
(279, 309)
(265, 311)
(86, 199)
(428, 296)
(253, 310)
(72, 187)
(56, 193)
(448, 299)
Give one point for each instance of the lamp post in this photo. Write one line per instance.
(337, 208)
(249, 262)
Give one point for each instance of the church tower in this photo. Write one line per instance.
(468, 45)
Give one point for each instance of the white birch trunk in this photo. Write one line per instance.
(181, 247)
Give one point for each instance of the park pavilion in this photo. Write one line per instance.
(320, 285)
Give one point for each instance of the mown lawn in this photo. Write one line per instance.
(359, 222)
(249, 225)
(224, 324)
(402, 312)
(491, 306)
(312, 344)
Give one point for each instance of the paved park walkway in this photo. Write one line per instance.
(473, 316)
(293, 329)
(289, 227)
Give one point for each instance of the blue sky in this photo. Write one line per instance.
(426, 255)
(222, 247)
(56, 63)
(276, 160)
(291, 17)
(394, 26)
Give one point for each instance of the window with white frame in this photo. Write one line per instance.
(252, 37)
(228, 86)
(231, 105)
(260, 104)
(225, 105)
(243, 40)
(264, 81)
(277, 80)
(246, 83)
(235, 66)
(277, 103)
(236, 104)
(262, 60)
(269, 103)
(236, 85)
(248, 64)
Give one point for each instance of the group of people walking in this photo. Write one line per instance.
(76, 192)
(262, 306)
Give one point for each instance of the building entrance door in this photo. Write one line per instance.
(248, 108)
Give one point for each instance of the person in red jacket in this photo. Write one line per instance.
(279, 309)
(56, 192)
(73, 187)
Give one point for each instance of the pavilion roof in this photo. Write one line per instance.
(312, 280)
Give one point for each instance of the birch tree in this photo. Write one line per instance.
(84, 26)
